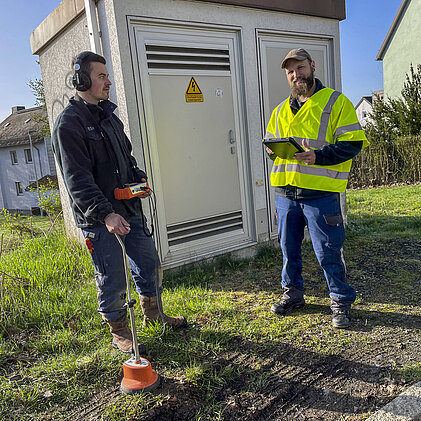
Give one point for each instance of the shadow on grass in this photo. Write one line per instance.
(387, 272)
(365, 320)
(254, 380)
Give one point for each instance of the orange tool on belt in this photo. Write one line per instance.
(88, 243)
(132, 190)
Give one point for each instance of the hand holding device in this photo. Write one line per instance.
(129, 191)
(308, 157)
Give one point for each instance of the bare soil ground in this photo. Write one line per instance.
(286, 381)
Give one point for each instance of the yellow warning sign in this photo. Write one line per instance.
(194, 93)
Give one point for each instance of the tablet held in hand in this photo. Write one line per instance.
(284, 147)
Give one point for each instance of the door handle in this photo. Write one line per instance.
(231, 136)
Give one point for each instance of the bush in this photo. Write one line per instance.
(394, 154)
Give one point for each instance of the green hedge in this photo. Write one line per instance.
(387, 161)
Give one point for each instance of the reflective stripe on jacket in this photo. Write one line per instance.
(327, 117)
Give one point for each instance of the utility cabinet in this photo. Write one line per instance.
(195, 83)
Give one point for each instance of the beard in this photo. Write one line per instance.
(304, 89)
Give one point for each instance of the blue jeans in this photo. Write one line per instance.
(107, 259)
(325, 225)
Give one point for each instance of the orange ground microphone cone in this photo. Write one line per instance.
(138, 376)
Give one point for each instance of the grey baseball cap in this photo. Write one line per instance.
(296, 54)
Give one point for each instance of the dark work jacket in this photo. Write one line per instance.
(94, 156)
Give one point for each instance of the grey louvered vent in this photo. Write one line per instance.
(204, 228)
(166, 57)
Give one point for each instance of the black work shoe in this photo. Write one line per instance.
(341, 318)
(286, 305)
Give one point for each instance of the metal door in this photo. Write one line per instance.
(274, 85)
(196, 146)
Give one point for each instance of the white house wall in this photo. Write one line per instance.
(22, 172)
(363, 111)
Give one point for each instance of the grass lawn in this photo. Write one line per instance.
(236, 360)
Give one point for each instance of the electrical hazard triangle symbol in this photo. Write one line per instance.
(194, 93)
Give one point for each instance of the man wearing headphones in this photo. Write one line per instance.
(94, 156)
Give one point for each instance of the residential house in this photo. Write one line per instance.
(365, 106)
(25, 158)
(363, 109)
(401, 48)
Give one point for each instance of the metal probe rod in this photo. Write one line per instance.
(129, 302)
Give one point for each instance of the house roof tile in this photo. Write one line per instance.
(15, 129)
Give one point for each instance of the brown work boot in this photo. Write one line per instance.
(122, 336)
(151, 313)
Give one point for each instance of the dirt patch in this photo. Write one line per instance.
(296, 384)
(286, 381)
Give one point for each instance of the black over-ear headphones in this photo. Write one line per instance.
(81, 80)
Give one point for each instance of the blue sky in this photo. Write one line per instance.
(362, 34)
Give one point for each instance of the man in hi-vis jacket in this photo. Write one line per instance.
(308, 186)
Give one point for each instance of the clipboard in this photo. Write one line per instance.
(284, 147)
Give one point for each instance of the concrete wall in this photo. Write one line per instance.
(404, 49)
(55, 60)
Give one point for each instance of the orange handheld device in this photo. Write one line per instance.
(132, 190)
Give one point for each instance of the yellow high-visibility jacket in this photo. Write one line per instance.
(327, 117)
